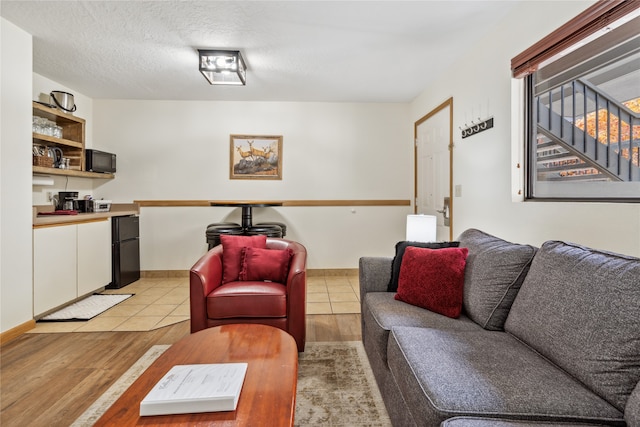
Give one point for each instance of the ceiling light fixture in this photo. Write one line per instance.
(223, 67)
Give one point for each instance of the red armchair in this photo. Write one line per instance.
(269, 303)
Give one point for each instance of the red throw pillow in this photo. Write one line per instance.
(265, 264)
(232, 253)
(433, 279)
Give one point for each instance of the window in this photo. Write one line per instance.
(582, 95)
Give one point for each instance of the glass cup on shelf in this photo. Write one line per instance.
(38, 125)
(52, 128)
(65, 163)
(47, 128)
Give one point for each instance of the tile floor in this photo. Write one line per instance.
(333, 294)
(164, 301)
(157, 302)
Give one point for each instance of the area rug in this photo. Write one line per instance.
(336, 388)
(86, 308)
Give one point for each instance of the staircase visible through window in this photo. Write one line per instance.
(583, 115)
(586, 135)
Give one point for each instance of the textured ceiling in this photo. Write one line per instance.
(339, 51)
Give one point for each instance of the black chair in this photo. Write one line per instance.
(215, 230)
(282, 226)
(268, 230)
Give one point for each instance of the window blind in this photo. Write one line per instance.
(593, 19)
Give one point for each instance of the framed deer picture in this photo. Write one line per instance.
(255, 157)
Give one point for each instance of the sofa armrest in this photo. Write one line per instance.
(374, 274)
(297, 295)
(204, 277)
(632, 408)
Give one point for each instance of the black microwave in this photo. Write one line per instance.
(99, 161)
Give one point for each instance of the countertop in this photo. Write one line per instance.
(117, 209)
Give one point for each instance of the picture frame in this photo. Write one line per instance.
(255, 157)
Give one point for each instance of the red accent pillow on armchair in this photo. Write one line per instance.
(232, 253)
(265, 264)
(433, 279)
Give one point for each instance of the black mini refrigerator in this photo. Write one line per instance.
(125, 246)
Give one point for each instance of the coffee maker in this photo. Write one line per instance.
(67, 200)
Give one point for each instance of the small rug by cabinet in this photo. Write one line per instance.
(335, 387)
(86, 308)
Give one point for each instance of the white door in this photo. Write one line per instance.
(94, 256)
(54, 267)
(433, 135)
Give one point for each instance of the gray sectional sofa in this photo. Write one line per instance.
(547, 336)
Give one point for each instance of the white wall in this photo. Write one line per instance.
(15, 176)
(480, 84)
(180, 150)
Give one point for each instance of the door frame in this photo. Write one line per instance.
(446, 104)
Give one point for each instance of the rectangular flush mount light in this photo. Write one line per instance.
(223, 67)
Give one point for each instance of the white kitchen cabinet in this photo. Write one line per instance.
(94, 256)
(54, 267)
(69, 261)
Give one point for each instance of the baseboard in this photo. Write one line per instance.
(160, 274)
(13, 333)
(313, 272)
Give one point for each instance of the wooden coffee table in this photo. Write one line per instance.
(269, 392)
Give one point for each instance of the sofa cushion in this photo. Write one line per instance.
(580, 308)
(493, 275)
(381, 312)
(265, 264)
(494, 422)
(247, 300)
(397, 259)
(433, 279)
(443, 373)
(232, 253)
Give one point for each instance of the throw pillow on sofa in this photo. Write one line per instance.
(433, 279)
(494, 273)
(265, 264)
(232, 247)
(397, 260)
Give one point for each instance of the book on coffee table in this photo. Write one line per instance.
(189, 389)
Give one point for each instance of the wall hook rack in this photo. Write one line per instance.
(477, 127)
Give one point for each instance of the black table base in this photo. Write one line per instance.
(246, 228)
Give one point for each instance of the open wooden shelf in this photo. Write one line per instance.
(71, 143)
(71, 172)
(52, 140)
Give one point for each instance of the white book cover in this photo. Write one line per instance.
(187, 389)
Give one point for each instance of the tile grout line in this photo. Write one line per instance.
(141, 287)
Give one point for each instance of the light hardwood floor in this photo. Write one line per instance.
(50, 379)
